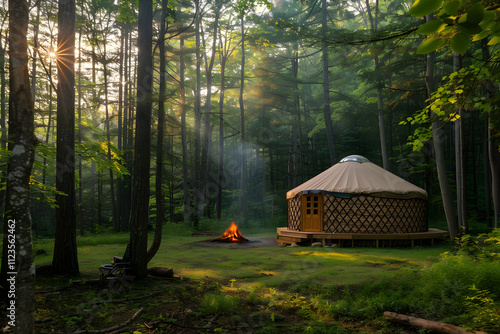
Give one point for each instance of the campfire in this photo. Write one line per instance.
(231, 235)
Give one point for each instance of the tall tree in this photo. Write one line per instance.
(326, 87)
(373, 19)
(3, 146)
(207, 128)
(22, 147)
(226, 49)
(65, 259)
(244, 170)
(139, 214)
(160, 202)
(438, 142)
(196, 172)
(460, 157)
(185, 176)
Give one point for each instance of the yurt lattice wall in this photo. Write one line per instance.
(365, 214)
(373, 215)
(294, 213)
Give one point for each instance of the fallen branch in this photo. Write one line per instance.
(113, 328)
(434, 326)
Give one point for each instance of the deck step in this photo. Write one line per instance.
(288, 240)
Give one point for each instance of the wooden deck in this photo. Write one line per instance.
(286, 236)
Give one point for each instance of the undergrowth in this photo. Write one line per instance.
(461, 289)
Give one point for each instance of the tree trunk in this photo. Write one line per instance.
(326, 91)
(3, 146)
(79, 135)
(244, 176)
(160, 203)
(207, 131)
(460, 158)
(493, 150)
(65, 260)
(185, 176)
(139, 214)
(119, 183)
(116, 223)
(295, 111)
(380, 105)
(3, 85)
(197, 125)
(494, 156)
(99, 197)
(438, 141)
(220, 168)
(36, 26)
(20, 266)
(126, 196)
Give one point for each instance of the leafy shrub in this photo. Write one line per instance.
(492, 241)
(219, 303)
(484, 311)
(467, 245)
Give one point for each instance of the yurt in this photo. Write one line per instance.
(356, 197)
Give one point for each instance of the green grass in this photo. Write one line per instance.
(331, 290)
(259, 266)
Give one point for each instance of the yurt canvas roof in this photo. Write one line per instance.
(356, 175)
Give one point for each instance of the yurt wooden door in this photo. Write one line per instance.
(312, 213)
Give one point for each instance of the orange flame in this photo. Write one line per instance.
(232, 234)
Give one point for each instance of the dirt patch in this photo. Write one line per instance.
(251, 243)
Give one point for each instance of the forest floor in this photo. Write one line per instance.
(254, 287)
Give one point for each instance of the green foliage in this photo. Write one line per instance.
(467, 245)
(492, 240)
(429, 45)
(242, 7)
(127, 11)
(485, 312)
(424, 7)
(458, 22)
(219, 303)
(44, 192)
(97, 151)
(459, 91)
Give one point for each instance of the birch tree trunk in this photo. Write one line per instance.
(3, 146)
(22, 147)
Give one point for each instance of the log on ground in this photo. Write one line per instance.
(434, 326)
(161, 272)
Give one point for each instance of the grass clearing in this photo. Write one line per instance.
(257, 288)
